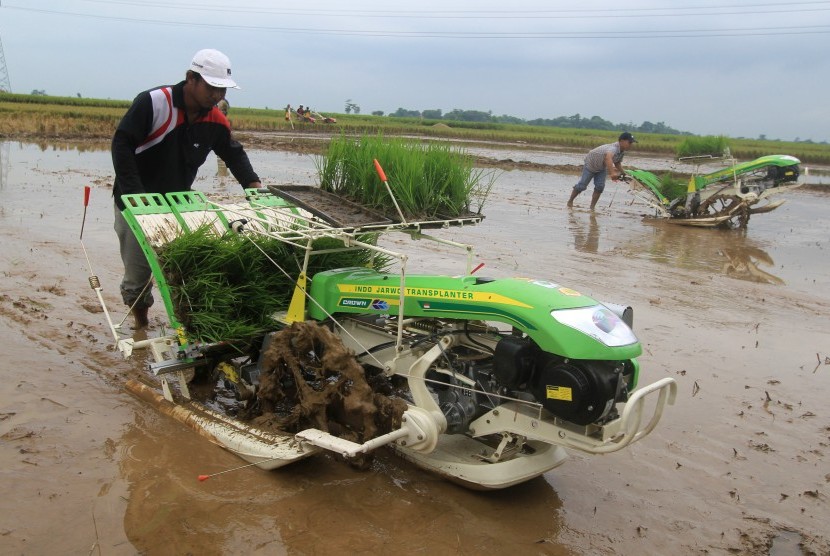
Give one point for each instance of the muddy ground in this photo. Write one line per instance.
(739, 464)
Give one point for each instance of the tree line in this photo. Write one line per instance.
(574, 121)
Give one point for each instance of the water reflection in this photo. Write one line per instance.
(728, 252)
(743, 262)
(319, 506)
(585, 230)
(5, 146)
(81, 146)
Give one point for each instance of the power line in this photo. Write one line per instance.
(785, 7)
(640, 34)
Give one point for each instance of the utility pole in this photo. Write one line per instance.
(5, 84)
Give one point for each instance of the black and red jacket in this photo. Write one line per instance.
(156, 150)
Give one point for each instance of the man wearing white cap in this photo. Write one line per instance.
(158, 147)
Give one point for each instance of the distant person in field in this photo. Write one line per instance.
(158, 147)
(600, 162)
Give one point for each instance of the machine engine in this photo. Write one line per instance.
(783, 174)
(773, 176)
(580, 392)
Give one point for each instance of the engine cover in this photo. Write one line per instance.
(514, 360)
(581, 393)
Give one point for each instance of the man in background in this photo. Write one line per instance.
(600, 162)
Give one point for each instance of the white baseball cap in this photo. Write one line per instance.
(214, 67)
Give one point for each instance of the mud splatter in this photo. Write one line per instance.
(309, 379)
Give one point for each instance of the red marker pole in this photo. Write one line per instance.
(382, 176)
(87, 191)
(477, 268)
(379, 170)
(94, 282)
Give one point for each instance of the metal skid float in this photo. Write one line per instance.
(499, 376)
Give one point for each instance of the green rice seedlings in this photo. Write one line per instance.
(335, 255)
(432, 180)
(703, 146)
(222, 287)
(671, 188)
(229, 288)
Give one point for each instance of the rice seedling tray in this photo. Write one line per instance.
(332, 208)
(343, 213)
(444, 221)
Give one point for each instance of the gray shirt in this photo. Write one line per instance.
(595, 159)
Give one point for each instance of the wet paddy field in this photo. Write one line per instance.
(739, 465)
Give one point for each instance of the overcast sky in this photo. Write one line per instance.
(739, 68)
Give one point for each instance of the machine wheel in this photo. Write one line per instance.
(718, 206)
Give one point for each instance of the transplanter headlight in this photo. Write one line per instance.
(598, 322)
(605, 320)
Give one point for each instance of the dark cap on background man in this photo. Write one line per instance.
(625, 136)
(214, 67)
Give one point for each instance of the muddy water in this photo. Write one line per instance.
(739, 464)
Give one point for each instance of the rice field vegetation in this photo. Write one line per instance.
(61, 117)
(70, 117)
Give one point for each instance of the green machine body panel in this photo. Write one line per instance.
(522, 303)
(774, 160)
